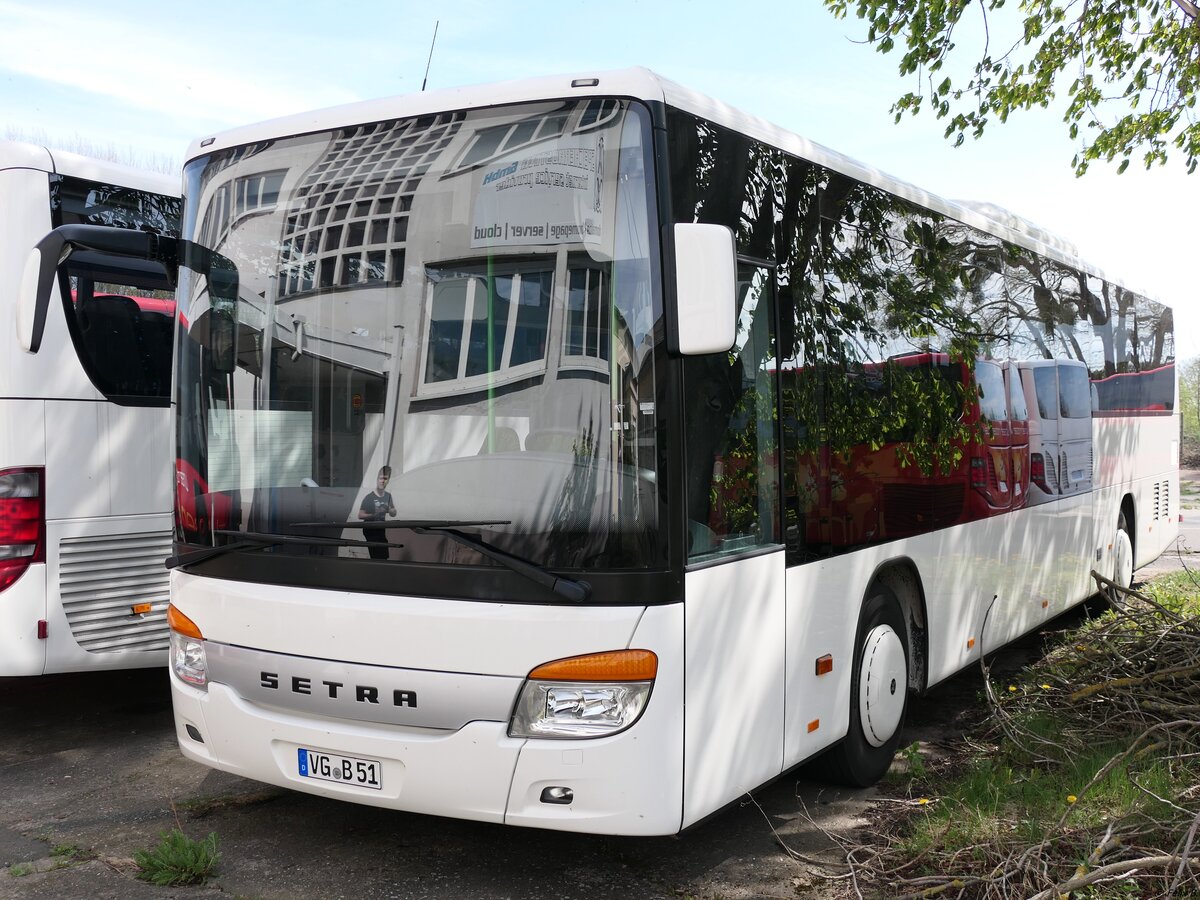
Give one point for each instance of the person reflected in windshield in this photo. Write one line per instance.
(376, 507)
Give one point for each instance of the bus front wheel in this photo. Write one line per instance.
(1122, 558)
(878, 693)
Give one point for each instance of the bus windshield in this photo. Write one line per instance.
(448, 320)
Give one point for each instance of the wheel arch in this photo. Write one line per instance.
(1129, 508)
(901, 577)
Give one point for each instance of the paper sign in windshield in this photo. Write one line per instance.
(546, 195)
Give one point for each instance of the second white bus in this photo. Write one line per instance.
(85, 434)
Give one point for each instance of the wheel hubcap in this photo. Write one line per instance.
(1122, 559)
(881, 685)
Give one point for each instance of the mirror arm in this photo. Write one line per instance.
(57, 246)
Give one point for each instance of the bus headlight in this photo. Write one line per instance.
(585, 696)
(188, 659)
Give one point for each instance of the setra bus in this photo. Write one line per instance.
(498, 506)
(85, 376)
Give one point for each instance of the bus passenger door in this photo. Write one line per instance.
(734, 584)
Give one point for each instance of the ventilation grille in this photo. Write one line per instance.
(1162, 501)
(101, 579)
(1051, 474)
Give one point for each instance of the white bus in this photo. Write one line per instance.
(85, 430)
(583, 453)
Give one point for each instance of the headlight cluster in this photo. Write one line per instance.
(188, 659)
(585, 696)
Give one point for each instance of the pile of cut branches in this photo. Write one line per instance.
(1087, 780)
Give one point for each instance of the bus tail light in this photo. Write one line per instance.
(585, 696)
(22, 522)
(979, 473)
(189, 661)
(1037, 471)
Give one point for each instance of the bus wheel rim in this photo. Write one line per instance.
(882, 683)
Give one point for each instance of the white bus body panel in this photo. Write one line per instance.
(630, 783)
(1138, 456)
(734, 701)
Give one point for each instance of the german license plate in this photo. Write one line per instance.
(366, 773)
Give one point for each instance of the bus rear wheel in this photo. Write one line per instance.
(878, 693)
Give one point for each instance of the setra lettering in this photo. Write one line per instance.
(363, 693)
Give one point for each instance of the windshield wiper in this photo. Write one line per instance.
(253, 540)
(567, 588)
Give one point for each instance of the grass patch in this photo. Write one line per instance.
(178, 860)
(1084, 782)
(20, 870)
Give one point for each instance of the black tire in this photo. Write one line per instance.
(858, 761)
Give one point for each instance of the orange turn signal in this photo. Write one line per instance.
(970, 643)
(824, 664)
(814, 725)
(181, 623)
(140, 609)
(616, 665)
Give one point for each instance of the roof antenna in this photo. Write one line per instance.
(430, 60)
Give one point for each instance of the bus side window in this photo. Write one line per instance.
(111, 329)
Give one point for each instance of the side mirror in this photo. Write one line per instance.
(34, 298)
(223, 324)
(705, 289)
(138, 256)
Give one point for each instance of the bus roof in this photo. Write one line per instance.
(19, 155)
(643, 84)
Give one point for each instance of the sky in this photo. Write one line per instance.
(142, 80)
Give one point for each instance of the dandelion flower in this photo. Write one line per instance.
(1045, 687)
(1012, 688)
(1071, 798)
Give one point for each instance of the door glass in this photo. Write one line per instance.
(733, 495)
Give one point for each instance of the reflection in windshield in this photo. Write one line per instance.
(462, 300)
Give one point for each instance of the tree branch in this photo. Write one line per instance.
(1118, 868)
(1189, 9)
